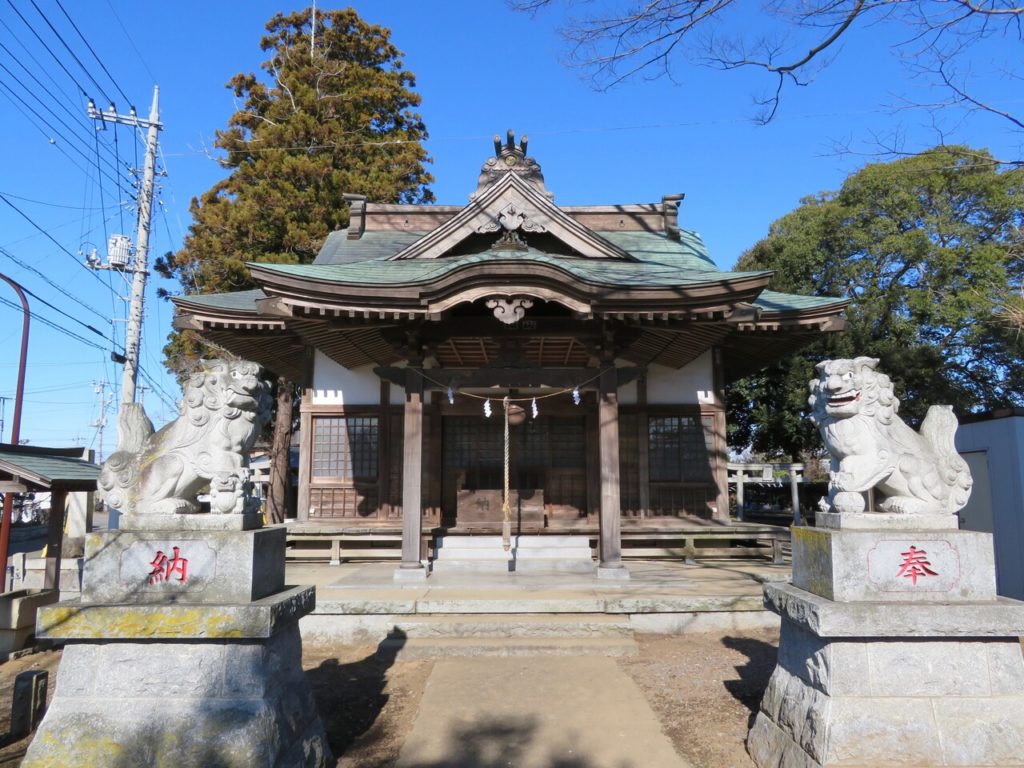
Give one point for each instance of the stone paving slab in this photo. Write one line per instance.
(535, 712)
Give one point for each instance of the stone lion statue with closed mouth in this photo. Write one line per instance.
(226, 405)
(918, 473)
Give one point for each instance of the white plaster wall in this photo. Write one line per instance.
(334, 384)
(1002, 441)
(691, 385)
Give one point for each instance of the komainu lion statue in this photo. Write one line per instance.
(854, 408)
(225, 407)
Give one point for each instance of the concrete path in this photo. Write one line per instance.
(535, 712)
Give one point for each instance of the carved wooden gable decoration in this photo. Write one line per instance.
(512, 204)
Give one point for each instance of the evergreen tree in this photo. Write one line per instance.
(330, 115)
(927, 248)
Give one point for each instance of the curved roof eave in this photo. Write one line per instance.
(510, 276)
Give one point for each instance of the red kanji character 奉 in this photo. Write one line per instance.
(915, 565)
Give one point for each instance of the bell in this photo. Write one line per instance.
(516, 414)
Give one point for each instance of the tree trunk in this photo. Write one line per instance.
(280, 454)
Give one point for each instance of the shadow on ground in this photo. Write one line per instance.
(754, 674)
(351, 696)
(494, 743)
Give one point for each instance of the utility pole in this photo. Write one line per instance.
(133, 333)
(104, 401)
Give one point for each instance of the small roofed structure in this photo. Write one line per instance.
(32, 468)
(610, 324)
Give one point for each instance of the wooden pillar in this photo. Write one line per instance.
(794, 476)
(720, 460)
(741, 513)
(305, 453)
(55, 539)
(610, 529)
(643, 434)
(412, 480)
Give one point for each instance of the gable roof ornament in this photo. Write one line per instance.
(510, 221)
(508, 157)
(514, 202)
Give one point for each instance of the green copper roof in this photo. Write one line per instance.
(669, 270)
(46, 466)
(773, 301)
(239, 300)
(338, 249)
(661, 262)
(686, 253)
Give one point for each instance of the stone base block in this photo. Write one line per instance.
(894, 565)
(877, 701)
(191, 522)
(18, 608)
(12, 640)
(74, 620)
(187, 704)
(188, 566)
(888, 521)
(986, 618)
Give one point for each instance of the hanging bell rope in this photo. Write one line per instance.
(506, 523)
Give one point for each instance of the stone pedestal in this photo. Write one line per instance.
(895, 650)
(184, 650)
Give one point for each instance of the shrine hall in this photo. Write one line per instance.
(511, 363)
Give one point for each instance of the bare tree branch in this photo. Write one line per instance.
(648, 37)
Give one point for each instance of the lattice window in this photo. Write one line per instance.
(345, 447)
(680, 448)
(473, 442)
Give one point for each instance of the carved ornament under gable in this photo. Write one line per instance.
(509, 311)
(511, 218)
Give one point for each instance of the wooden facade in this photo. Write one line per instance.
(613, 318)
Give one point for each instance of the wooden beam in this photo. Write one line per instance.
(512, 378)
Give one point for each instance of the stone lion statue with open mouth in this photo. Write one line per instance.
(855, 409)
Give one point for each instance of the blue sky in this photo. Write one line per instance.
(480, 68)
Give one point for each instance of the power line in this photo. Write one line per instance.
(50, 282)
(75, 114)
(51, 239)
(52, 324)
(57, 118)
(49, 49)
(39, 66)
(166, 398)
(65, 314)
(91, 209)
(46, 135)
(128, 37)
(98, 61)
(73, 54)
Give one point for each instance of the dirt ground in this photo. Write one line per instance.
(704, 688)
